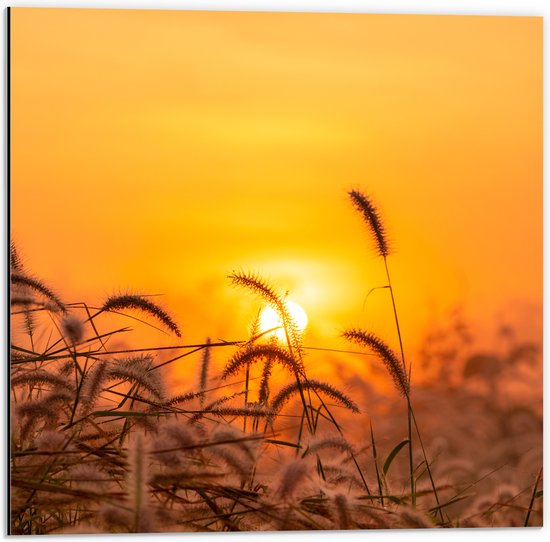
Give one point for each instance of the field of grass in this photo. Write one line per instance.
(102, 443)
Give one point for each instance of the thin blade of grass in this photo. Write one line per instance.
(393, 454)
(375, 458)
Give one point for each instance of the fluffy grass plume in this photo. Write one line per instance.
(213, 405)
(72, 328)
(25, 301)
(137, 369)
(343, 513)
(330, 391)
(137, 486)
(258, 352)
(19, 279)
(183, 398)
(252, 411)
(261, 287)
(15, 260)
(230, 435)
(336, 443)
(92, 385)
(38, 377)
(205, 363)
(264, 383)
(138, 302)
(385, 353)
(292, 476)
(372, 219)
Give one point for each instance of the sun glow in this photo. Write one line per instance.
(270, 320)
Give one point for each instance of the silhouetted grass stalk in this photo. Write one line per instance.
(411, 418)
(409, 407)
(372, 219)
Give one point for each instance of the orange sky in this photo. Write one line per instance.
(159, 151)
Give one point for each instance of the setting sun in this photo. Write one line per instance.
(270, 320)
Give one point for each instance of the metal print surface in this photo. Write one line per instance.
(274, 271)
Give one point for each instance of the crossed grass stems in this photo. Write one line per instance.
(77, 402)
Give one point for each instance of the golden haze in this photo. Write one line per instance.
(157, 151)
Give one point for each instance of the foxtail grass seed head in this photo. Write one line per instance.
(263, 395)
(179, 433)
(384, 352)
(86, 477)
(174, 443)
(259, 286)
(24, 301)
(372, 219)
(264, 290)
(92, 386)
(342, 508)
(141, 303)
(21, 280)
(49, 408)
(338, 475)
(291, 478)
(50, 440)
(15, 260)
(291, 389)
(137, 369)
(30, 323)
(335, 443)
(232, 455)
(411, 518)
(115, 518)
(251, 411)
(72, 328)
(183, 398)
(137, 480)
(254, 329)
(258, 352)
(39, 377)
(205, 363)
(236, 438)
(213, 405)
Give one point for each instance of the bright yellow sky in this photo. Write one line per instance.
(159, 151)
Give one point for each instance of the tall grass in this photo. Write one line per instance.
(400, 373)
(101, 443)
